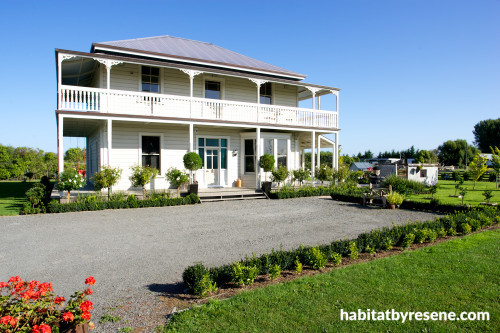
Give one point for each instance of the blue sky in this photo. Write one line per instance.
(411, 72)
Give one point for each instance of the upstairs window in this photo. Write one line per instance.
(265, 93)
(150, 79)
(151, 151)
(212, 90)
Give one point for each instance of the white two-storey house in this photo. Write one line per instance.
(148, 101)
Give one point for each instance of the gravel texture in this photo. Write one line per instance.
(135, 254)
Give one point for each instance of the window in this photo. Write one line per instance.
(282, 152)
(269, 146)
(265, 93)
(151, 151)
(249, 155)
(211, 148)
(423, 173)
(150, 79)
(212, 90)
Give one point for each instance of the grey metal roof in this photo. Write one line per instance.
(362, 165)
(186, 49)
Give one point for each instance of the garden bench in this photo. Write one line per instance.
(377, 194)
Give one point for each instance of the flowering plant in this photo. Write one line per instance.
(31, 306)
(177, 178)
(70, 180)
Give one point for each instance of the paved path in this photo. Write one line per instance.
(129, 250)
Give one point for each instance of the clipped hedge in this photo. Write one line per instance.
(130, 202)
(309, 191)
(377, 239)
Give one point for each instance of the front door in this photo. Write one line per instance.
(212, 170)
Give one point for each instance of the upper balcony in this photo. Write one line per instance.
(109, 85)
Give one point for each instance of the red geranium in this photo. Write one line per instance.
(8, 320)
(88, 291)
(86, 315)
(3, 284)
(59, 300)
(86, 306)
(68, 316)
(43, 328)
(15, 279)
(90, 280)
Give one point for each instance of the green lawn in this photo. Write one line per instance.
(12, 196)
(455, 276)
(473, 197)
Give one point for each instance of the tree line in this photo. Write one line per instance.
(32, 163)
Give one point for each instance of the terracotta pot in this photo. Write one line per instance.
(391, 206)
(80, 328)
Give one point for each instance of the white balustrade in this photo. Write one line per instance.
(74, 98)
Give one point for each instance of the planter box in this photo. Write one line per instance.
(266, 187)
(193, 188)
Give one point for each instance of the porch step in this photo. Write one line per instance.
(246, 195)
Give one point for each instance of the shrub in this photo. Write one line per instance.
(387, 244)
(353, 250)
(431, 235)
(177, 178)
(335, 258)
(106, 178)
(298, 266)
(70, 180)
(192, 162)
(407, 241)
(464, 229)
(244, 275)
(488, 195)
(420, 235)
(403, 186)
(266, 162)
(316, 259)
(280, 174)
(193, 275)
(274, 271)
(204, 286)
(370, 250)
(324, 173)
(36, 194)
(441, 232)
(141, 176)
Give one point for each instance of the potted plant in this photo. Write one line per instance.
(177, 178)
(266, 162)
(192, 162)
(394, 199)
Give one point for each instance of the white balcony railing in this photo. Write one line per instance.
(73, 98)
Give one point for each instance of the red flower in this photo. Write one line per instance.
(15, 279)
(86, 315)
(58, 300)
(13, 321)
(43, 328)
(88, 291)
(68, 316)
(5, 320)
(86, 306)
(90, 280)
(3, 284)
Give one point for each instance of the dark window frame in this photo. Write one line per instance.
(147, 75)
(151, 153)
(266, 93)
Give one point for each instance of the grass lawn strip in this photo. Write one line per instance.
(473, 197)
(455, 276)
(12, 196)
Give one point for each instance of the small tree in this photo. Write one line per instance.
(300, 175)
(433, 190)
(459, 184)
(495, 161)
(70, 180)
(106, 178)
(341, 174)
(177, 178)
(324, 173)
(266, 162)
(192, 162)
(463, 192)
(488, 195)
(477, 168)
(280, 175)
(141, 176)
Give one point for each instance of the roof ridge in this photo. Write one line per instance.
(153, 37)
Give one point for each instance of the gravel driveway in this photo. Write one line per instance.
(128, 251)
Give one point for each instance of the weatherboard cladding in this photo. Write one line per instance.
(191, 49)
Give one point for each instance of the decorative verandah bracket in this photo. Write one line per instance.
(258, 82)
(190, 72)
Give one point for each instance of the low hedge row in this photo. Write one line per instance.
(375, 240)
(309, 191)
(130, 202)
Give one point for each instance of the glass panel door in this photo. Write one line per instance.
(212, 166)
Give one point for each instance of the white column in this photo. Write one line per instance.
(60, 148)
(319, 102)
(110, 141)
(313, 166)
(191, 143)
(337, 150)
(303, 159)
(257, 168)
(318, 157)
